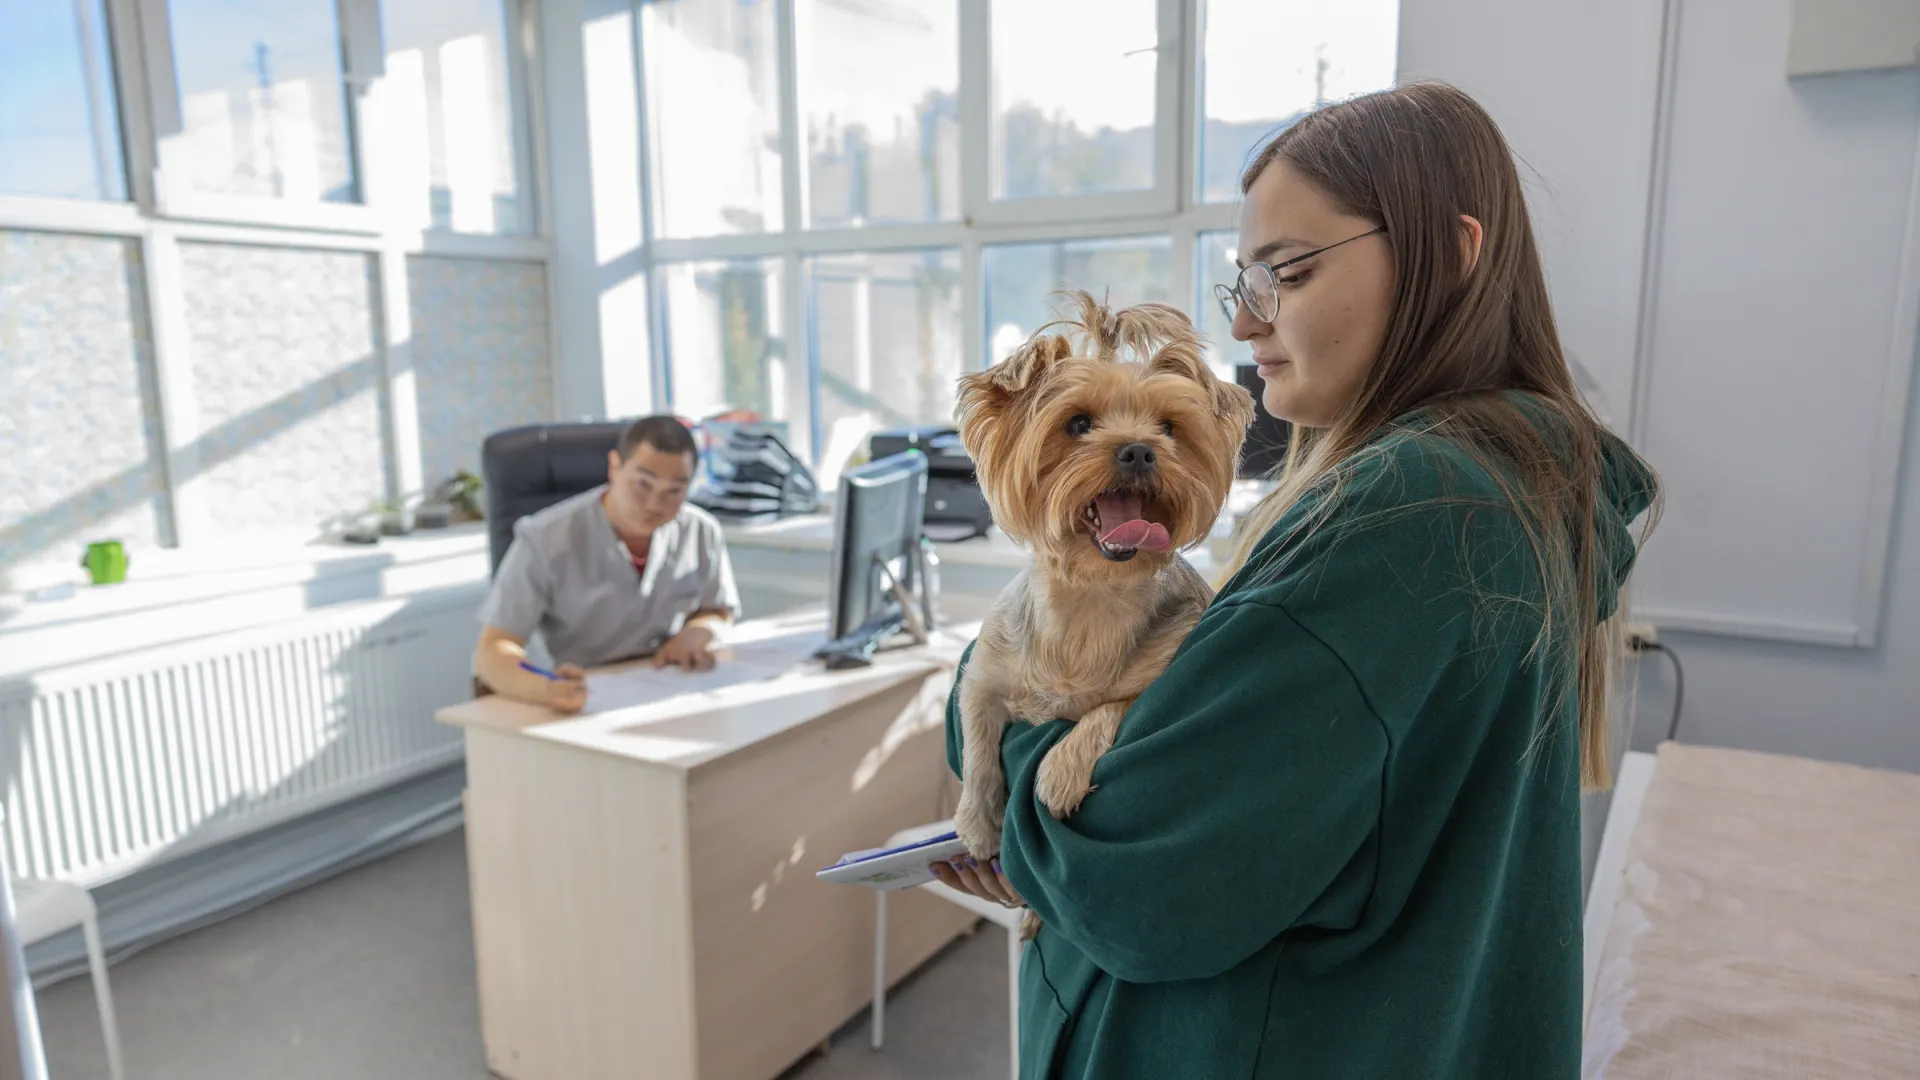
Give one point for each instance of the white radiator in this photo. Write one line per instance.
(112, 765)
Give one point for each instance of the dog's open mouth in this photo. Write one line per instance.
(1120, 522)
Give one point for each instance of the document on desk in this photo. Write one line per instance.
(646, 685)
(748, 662)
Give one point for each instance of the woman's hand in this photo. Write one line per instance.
(982, 879)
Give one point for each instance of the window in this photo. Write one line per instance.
(166, 164)
(885, 343)
(1073, 97)
(1265, 63)
(713, 113)
(59, 122)
(263, 101)
(1021, 278)
(851, 202)
(1214, 255)
(726, 346)
(880, 88)
(448, 116)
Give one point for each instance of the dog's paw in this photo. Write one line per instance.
(977, 828)
(1064, 781)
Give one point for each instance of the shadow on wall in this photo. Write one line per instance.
(129, 488)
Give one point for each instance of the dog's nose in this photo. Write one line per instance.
(1135, 457)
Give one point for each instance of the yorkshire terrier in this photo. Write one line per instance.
(1105, 462)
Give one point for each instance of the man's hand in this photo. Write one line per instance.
(568, 693)
(689, 649)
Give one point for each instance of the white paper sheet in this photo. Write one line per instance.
(646, 685)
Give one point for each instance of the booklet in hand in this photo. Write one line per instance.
(900, 867)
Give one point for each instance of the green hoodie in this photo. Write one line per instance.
(1340, 836)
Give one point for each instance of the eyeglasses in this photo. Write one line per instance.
(1257, 287)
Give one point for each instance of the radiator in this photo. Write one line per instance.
(113, 765)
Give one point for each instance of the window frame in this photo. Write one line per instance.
(1168, 209)
(160, 213)
(166, 171)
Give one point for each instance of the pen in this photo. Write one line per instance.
(537, 670)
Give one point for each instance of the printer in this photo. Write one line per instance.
(955, 508)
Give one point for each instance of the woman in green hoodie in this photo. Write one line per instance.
(1340, 836)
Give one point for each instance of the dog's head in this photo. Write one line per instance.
(1106, 465)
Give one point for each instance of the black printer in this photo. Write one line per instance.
(955, 508)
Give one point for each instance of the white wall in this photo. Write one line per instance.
(1773, 389)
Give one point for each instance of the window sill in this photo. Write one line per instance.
(176, 595)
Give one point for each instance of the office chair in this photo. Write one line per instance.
(527, 469)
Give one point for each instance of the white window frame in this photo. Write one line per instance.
(162, 211)
(1168, 209)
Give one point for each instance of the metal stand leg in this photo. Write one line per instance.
(880, 970)
(103, 996)
(1013, 999)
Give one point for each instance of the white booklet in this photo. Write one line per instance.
(900, 867)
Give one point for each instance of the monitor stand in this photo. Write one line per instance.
(915, 618)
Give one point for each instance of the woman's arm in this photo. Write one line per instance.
(1241, 801)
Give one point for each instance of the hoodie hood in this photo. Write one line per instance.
(1629, 488)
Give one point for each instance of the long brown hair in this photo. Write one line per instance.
(1414, 159)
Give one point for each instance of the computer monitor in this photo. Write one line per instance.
(876, 522)
(1267, 436)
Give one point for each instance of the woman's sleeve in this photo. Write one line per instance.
(1240, 800)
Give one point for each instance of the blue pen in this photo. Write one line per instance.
(537, 670)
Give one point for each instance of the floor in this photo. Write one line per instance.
(369, 976)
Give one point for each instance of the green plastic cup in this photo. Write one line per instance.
(106, 562)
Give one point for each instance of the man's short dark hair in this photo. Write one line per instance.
(664, 433)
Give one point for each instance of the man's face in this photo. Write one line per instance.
(645, 491)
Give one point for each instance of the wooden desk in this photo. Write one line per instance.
(644, 903)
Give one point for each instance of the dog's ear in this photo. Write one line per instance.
(1027, 364)
(1232, 399)
(987, 416)
(985, 397)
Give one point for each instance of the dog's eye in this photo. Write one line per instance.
(1079, 425)
(1166, 428)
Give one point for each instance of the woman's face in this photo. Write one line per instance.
(1332, 309)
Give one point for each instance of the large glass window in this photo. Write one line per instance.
(1213, 256)
(59, 122)
(713, 96)
(448, 116)
(880, 86)
(728, 348)
(911, 262)
(1021, 280)
(262, 99)
(1266, 63)
(885, 343)
(1073, 97)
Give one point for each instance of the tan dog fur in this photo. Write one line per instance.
(1078, 636)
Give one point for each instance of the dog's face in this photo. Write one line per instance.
(1104, 466)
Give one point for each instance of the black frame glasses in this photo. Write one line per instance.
(1258, 288)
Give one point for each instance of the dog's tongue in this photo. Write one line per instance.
(1122, 526)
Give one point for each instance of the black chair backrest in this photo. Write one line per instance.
(527, 469)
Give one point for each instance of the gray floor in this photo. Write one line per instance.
(369, 976)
